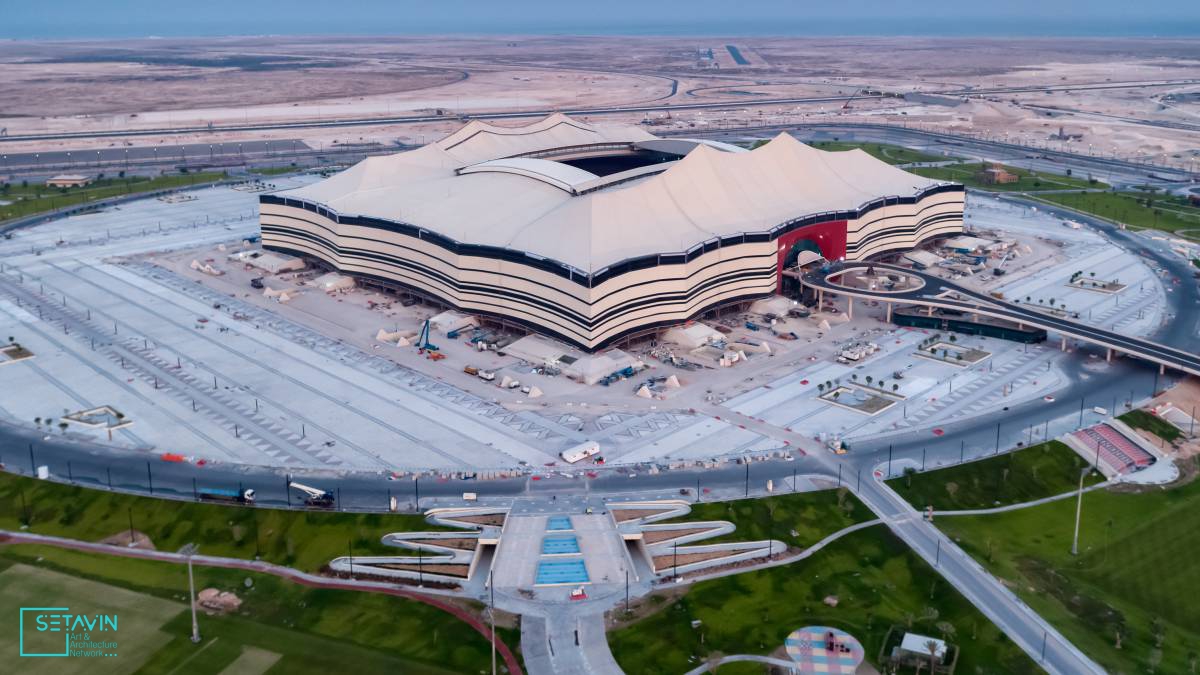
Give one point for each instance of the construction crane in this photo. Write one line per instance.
(423, 343)
(846, 105)
(313, 496)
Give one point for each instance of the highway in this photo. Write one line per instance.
(412, 119)
(932, 294)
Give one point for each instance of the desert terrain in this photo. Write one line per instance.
(1132, 98)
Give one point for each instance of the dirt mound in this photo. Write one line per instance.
(122, 538)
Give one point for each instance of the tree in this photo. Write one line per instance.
(946, 629)
(820, 388)
(953, 337)
(63, 427)
(932, 647)
(909, 472)
(1193, 662)
(1155, 659)
(869, 379)
(895, 387)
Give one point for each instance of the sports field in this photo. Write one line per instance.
(139, 632)
(280, 627)
(1134, 582)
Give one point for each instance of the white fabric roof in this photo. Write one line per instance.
(709, 193)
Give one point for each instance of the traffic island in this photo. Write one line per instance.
(13, 352)
(859, 400)
(953, 354)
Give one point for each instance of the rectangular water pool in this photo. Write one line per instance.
(561, 572)
(559, 545)
(559, 524)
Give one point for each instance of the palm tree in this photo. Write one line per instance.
(932, 647)
(895, 387)
(820, 388)
(869, 379)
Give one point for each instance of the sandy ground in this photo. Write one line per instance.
(68, 86)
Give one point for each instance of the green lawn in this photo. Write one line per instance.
(1137, 568)
(1163, 213)
(965, 173)
(139, 620)
(275, 170)
(28, 198)
(892, 154)
(1140, 419)
(314, 630)
(811, 516)
(878, 583)
(304, 540)
(1041, 470)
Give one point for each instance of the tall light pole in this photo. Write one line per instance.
(492, 614)
(190, 550)
(1078, 511)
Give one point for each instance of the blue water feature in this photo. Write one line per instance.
(559, 545)
(559, 524)
(562, 572)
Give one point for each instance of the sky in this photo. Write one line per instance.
(99, 19)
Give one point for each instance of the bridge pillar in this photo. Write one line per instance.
(1162, 369)
(929, 311)
(849, 307)
(820, 299)
(1063, 347)
(1109, 356)
(889, 312)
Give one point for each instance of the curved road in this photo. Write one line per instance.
(932, 294)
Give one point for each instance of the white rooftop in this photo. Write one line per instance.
(471, 187)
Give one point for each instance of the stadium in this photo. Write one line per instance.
(594, 233)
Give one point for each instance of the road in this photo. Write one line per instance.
(931, 294)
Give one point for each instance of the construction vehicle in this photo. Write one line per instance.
(423, 343)
(313, 496)
(226, 495)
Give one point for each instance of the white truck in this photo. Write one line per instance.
(580, 452)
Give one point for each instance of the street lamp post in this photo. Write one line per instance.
(1078, 511)
(190, 550)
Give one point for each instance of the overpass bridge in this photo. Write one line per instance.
(929, 291)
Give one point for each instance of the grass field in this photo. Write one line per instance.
(878, 583)
(304, 540)
(274, 170)
(1041, 470)
(1136, 573)
(965, 173)
(810, 515)
(1163, 213)
(313, 630)
(139, 621)
(1140, 419)
(27, 199)
(892, 154)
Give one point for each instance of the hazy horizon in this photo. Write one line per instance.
(128, 19)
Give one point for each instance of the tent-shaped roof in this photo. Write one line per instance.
(455, 187)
